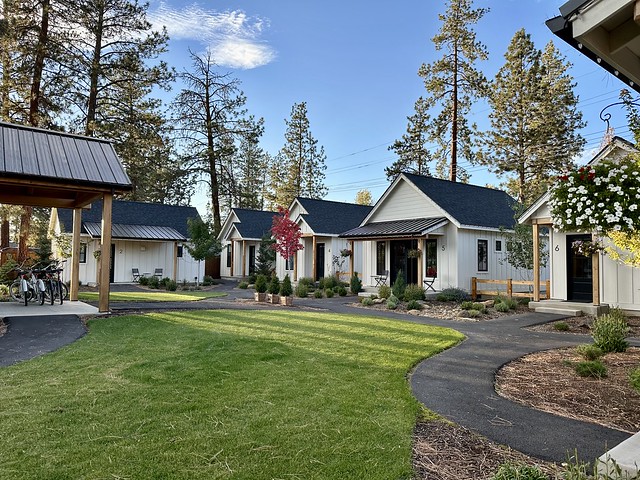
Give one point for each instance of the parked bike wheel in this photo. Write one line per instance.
(50, 293)
(15, 292)
(65, 292)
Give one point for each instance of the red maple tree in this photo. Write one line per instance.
(287, 234)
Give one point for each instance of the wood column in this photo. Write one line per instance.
(595, 273)
(314, 266)
(244, 258)
(75, 254)
(175, 262)
(105, 252)
(350, 243)
(233, 260)
(536, 262)
(295, 267)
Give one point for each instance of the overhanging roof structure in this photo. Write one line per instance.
(397, 228)
(135, 232)
(55, 169)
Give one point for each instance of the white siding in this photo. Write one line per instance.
(558, 264)
(620, 284)
(404, 202)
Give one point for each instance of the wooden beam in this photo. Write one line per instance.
(295, 267)
(314, 267)
(621, 36)
(351, 257)
(244, 258)
(175, 262)
(595, 274)
(75, 254)
(105, 252)
(542, 221)
(233, 260)
(536, 262)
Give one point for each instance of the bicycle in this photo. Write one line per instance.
(27, 287)
(55, 287)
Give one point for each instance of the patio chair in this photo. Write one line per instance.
(380, 279)
(158, 273)
(136, 274)
(428, 283)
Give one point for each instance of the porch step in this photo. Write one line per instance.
(560, 311)
(626, 456)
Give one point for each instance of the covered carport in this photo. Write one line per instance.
(45, 168)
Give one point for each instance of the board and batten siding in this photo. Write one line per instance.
(558, 264)
(405, 202)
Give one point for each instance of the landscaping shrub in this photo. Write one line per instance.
(154, 282)
(481, 307)
(399, 286)
(286, 289)
(511, 303)
(207, 281)
(473, 313)
(4, 293)
(510, 471)
(468, 305)
(591, 368)
(336, 289)
(302, 290)
(243, 285)
(307, 282)
(329, 293)
(634, 378)
(171, 286)
(453, 294)
(500, 307)
(609, 332)
(384, 291)
(589, 352)
(342, 291)
(261, 284)
(321, 283)
(561, 326)
(7, 275)
(391, 305)
(144, 281)
(413, 292)
(373, 297)
(367, 301)
(163, 282)
(252, 279)
(331, 282)
(414, 305)
(356, 284)
(274, 285)
(318, 293)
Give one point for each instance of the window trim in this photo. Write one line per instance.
(288, 264)
(495, 245)
(485, 242)
(82, 254)
(229, 259)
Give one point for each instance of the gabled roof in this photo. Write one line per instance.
(469, 205)
(140, 220)
(332, 218)
(398, 228)
(253, 224)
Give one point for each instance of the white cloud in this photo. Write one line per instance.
(232, 36)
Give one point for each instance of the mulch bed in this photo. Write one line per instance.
(547, 381)
(445, 451)
(583, 325)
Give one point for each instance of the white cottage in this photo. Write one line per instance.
(147, 237)
(321, 222)
(425, 227)
(586, 282)
(240, 237)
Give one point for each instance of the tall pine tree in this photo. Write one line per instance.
(413, 148)
(300, 172)
(534, 119)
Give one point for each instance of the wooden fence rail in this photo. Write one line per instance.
(509, 288)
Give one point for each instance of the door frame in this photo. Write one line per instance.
(571, 279)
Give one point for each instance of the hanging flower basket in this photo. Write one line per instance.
(587, 248)
(414, 253)
(345, 252)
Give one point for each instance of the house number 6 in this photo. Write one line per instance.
(557, 249)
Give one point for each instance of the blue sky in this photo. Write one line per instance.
(355, 63)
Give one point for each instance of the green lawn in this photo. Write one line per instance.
(151, 296)
(219, 395)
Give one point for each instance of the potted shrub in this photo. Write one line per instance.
(273, 290)
(286, 290)
(261, 288)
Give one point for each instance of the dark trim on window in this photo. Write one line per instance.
(289, 263)
(381, 248)
(229, 256)
(82, 256)
(498, 245)
(483, 255)
(180, 251)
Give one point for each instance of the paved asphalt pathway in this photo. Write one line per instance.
(457, 384)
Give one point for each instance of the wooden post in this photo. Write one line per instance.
(295, 267)
(536, 262)
(351, 258)
(233, 260)
(105, 253)
(244, 258)
(75, 254)
(596, 274)
(548, 287)
(175, 261)
(314, 267)
(474, 288)
(509, 287)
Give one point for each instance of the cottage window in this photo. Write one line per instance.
(82, 257)
(483, 255)
(229, 256)
(289, 265)
(180, 251)
(498, 245)
(380, 259)
(431, 257)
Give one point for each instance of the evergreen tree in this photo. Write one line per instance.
(250, 164)
(534, 119)
(452, 84)
(302, 172)
(412, 149)
(266, 256)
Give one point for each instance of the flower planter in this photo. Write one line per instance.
(260, 296)
(273, 298)
(288, 301)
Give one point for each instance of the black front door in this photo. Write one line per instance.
(112, 263)
(319, 261)
(579, 272)
(400, 261)
(252, 259)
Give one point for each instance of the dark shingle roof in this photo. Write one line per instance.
(469, 205)
(27, 152)
(134, 213)
(397, 228)
(332, 218)
(253, 223)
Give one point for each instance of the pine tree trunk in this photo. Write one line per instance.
(23, 243)
(38, 67)
(453, 171)
(94, 76)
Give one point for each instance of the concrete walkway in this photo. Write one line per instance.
(457, 384)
